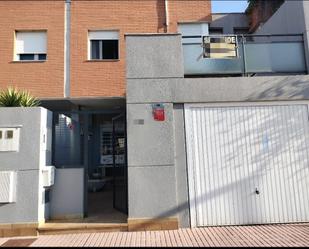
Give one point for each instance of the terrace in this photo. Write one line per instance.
(243, 55)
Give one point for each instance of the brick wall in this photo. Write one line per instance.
(88, 78)
(107, 78)
(188, 11)
(43, 79)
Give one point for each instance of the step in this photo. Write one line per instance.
(66, 228)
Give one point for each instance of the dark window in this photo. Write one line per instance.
(26, 57)
(215, 31)
(32, 57)
(0, 134)
(9, 134)
(110, 49)
(42, 57)
(241, 31)
(104, 49)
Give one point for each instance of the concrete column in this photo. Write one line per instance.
(151, 59)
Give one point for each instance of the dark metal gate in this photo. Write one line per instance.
(120, 170)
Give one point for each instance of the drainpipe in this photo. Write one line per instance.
(67, 37)
(166, 16)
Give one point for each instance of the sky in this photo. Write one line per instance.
(228, 6)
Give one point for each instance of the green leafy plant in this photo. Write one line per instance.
(11, 97)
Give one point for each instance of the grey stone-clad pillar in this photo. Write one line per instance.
(152, 59)
(27, 162)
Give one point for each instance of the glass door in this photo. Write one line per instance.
(120, 172)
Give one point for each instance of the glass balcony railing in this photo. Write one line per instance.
(254, 54)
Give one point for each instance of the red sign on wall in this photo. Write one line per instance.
(158, 112)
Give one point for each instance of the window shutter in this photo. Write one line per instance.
(193, 29)
(31, 42)
(103, 35)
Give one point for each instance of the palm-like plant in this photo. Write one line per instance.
(27, 100)
(11, 97)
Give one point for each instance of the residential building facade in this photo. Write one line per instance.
(161, 115)
(72, 56)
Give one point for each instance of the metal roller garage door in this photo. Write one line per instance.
(247, 164)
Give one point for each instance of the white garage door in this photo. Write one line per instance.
(247, 164)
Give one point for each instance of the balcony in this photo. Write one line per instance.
(253, 55)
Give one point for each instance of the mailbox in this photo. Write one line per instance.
(48, 173)
(9, 138)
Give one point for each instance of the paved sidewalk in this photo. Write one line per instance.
(266, 235)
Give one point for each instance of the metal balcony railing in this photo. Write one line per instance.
(255, 54)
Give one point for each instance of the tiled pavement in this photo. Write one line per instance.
(266, 236)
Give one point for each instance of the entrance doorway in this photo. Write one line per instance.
(107, 169)
(95, 142)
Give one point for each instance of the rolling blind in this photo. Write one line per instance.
(31, 42)
(103, 35)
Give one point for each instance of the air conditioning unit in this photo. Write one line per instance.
(48, 173)
(8, 180)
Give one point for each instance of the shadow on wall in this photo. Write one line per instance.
(288, 88)
(230, 21)
(161, 26)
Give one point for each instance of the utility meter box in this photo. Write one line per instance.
(48, 176)
(9, 138)
(8, 180)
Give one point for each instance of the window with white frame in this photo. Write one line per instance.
(192, 32)
(30, 45)
(103, 45)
